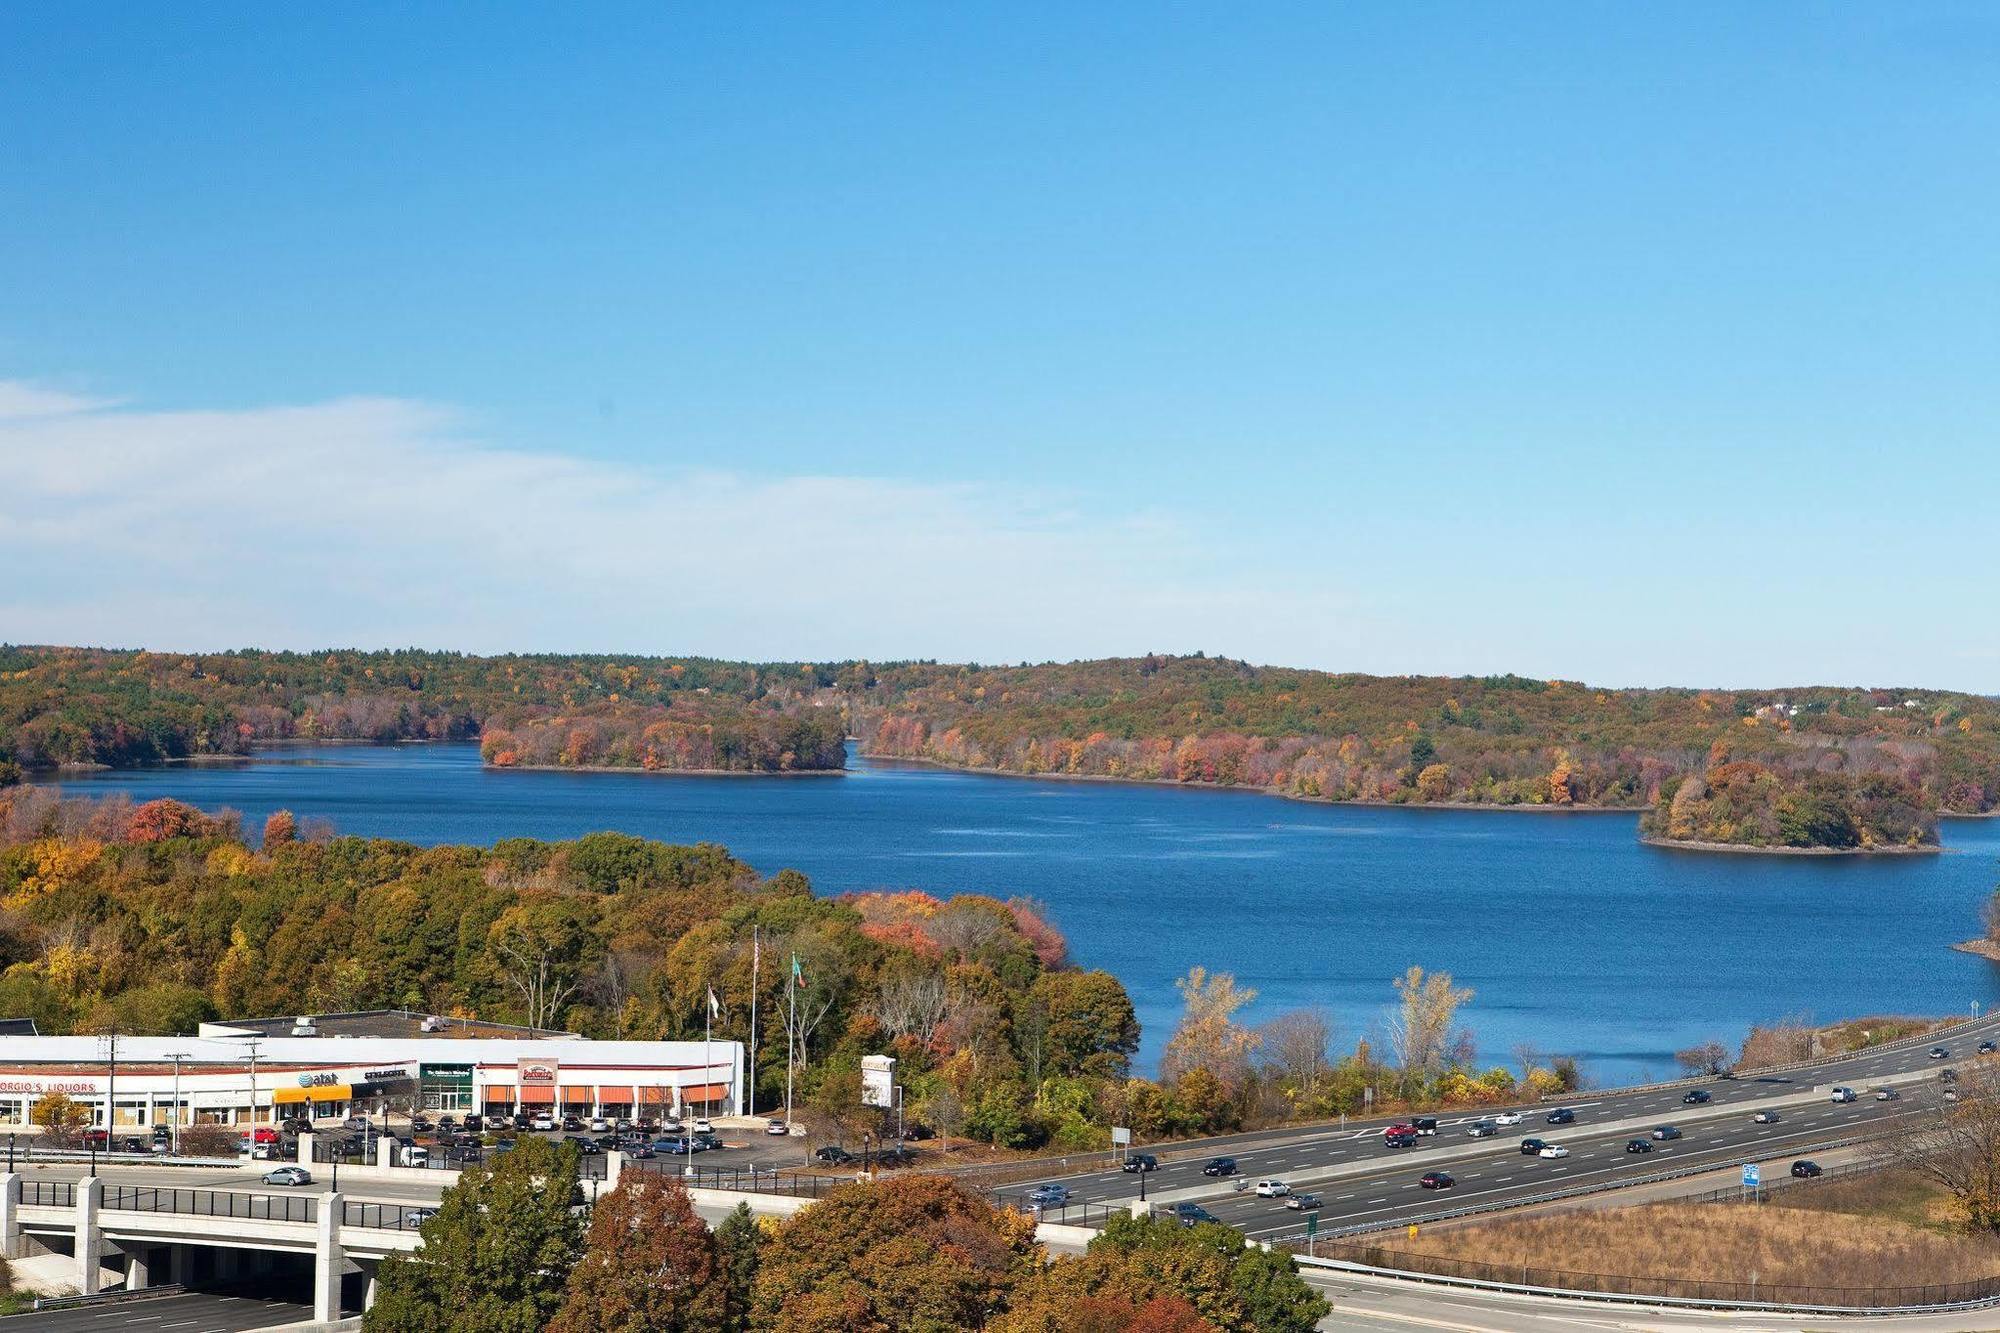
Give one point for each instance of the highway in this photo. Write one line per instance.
(1361, 1181)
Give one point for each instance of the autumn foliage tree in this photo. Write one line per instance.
(910, 1252)
(280, 829)
(649, 1265)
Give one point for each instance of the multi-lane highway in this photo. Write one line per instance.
(186, 1312)
(1361, 1181)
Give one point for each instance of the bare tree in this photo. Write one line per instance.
(1709, 1057)
(1420, 1024)
(913, 1004)
(616, 979)
(1298, 1048)
(1954, 1142)
(1208, 1036)
(539, 955)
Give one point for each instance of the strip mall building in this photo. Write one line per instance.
(237, 1074)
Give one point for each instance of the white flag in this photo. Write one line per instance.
(714, 1005)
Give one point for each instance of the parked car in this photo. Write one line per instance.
(447, 1122)
(1424, 1125)
(1302, 1203)
(1664, 1132)
(288, 1175)
(1190, 1214)
(1436, 1180)
(830, 1155)
(1220, 1166)
(1938, 1053)
(1049, 1196)
(412, 1155)
(1553, 1150)
(475, 1124)
(542, 1123)
(701, 1125)
(584, 1145)
(1804, 1168)
(1507, 1118)
(1638, 1145)
(917, 1133)
(1140, 1161)
(1529, 1147)
(420, 1124)
(1272, 1189)
(571, 1124)
(1843, 1094)
(1482, 1129)
(1562, 1115)
(1698, 1097)
(599, 1125)
(777, 1128)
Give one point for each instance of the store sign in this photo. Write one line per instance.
(45, 1086)
(384, 1075)
(535, 1072)
(318, 1080)
(458, 1073)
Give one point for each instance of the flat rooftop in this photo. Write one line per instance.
(399, 1023)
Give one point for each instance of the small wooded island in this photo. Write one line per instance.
(1821, 769)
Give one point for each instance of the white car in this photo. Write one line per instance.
(1553, 1150)
(701, 1126)
(599, 1125)
(1507, 1118)
(542, 1121)
(1272, 1189)
(777, 1128)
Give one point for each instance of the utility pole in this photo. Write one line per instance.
(253, 1042)
(756, 958)
(177, 1057)
(110, 1038)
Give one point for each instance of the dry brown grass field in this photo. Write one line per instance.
(1873, 1232)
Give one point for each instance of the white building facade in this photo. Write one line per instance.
(244, 1081)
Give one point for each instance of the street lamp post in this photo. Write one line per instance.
(866, 1139)
(177, 1057)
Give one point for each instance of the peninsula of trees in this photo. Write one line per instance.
(1814, 767)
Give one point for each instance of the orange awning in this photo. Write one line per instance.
(617, 1093)
(287, 1096)
(499, 1092)
(705, 1092)
(656, 1096)
(336, 1093)
(572, 1093)
(537, 1095)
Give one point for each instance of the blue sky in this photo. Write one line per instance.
(1614, 342)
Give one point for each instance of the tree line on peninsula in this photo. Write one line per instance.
(1810, 767)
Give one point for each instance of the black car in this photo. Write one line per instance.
(1482, 1129)
(1140, 1161)
(833, 1156)
(474, 1153)
(1664, 1132)
(1529, 1147)
(475, 1124)
(1562, 1115)
(917, 1132)
(1220, 1166)
(1698, 1097)
(1804, 1169)
(587, 1147)
(1638, 1145)
(1436, 1180)
(1188, 1214)
(1938, 1052)
(570, 1124)
(1987, 1048)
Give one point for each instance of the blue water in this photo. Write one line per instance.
(1575, 937)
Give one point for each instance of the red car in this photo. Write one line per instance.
(1400, 1136)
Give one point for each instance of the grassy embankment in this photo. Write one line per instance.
(1882, 1229)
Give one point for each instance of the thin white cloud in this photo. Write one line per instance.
(376, 521)
(19, 399)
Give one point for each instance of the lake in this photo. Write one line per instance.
(1575, 937)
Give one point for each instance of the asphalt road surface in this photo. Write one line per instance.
(191, 1312)
(1360, 1180)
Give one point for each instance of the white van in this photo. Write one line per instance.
(1843, 1094)
(411, 1154)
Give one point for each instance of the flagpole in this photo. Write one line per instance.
(707, 1056)
(756, 957)
(791, 1026)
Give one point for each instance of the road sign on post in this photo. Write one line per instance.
(1120, 1136)
(1753, 1175)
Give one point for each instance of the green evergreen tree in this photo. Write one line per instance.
(496, 1256)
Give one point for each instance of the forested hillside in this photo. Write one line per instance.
(159, 916)
(1824, 753)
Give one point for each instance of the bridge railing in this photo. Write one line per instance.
(46, 1193)
(209, 1203)
(385, 1216)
